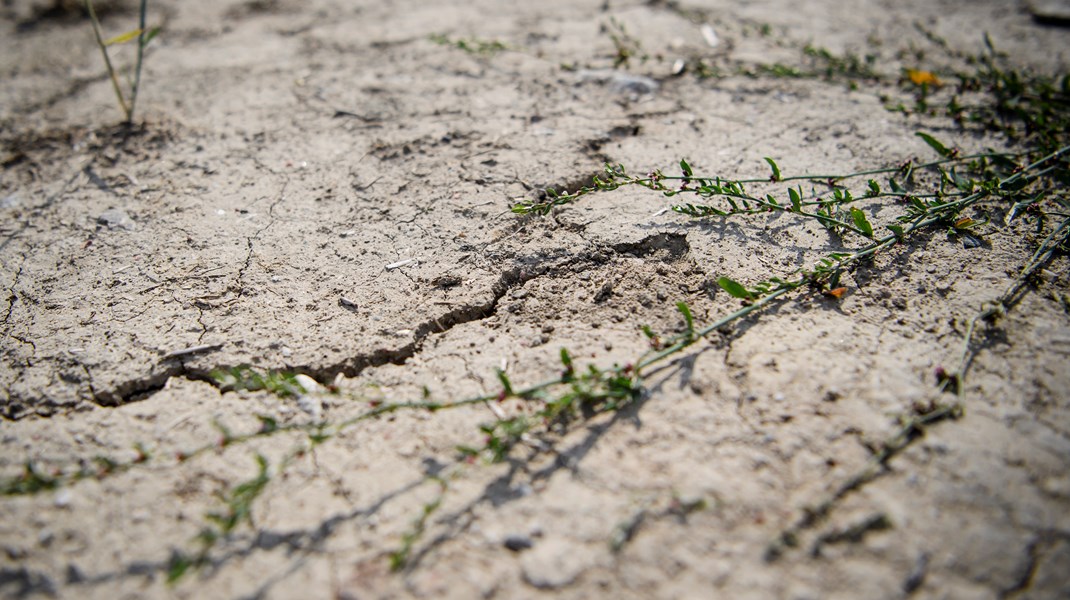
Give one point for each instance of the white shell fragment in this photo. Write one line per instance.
(399, 264)
(710, 36)
(308, 384)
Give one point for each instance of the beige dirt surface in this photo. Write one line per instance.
(323, 188)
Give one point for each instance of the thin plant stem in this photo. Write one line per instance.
(140, 55)
(128, 110)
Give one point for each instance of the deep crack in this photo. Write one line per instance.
(663, 246)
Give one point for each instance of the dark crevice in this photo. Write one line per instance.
(460, 315)
(568, 186)
(666, 246)
(592, 148)
(136, 389)
(25, 341)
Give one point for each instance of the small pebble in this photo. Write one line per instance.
(517, 543)
(115, 218)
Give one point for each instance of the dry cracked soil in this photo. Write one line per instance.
(324, 188)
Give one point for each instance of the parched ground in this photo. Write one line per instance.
(324, 188)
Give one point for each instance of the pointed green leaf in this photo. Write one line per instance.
(148, 36)
(897, 230)
(796, 200)
(861, 222)
(566, 359)
(734, 288)
(874, 188)
(685, 310)
(686, 168)
(941, 149)
(774, 167)
(506, 385)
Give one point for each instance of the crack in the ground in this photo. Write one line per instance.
(200, 321)
(12, 295)
(524, 269)
(25, 341)
(251, 240)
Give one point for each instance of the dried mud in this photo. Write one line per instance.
(320, 188)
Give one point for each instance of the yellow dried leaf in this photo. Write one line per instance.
(923, 78)
(123, 37)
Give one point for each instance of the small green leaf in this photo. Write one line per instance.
(874, 188)
(861, 222)
(569, 371)
(267, 424)
(685, 310)
(897, 230)
(892, 183)
(177, 567)
(774, 167)
(941, 149)
(796, 200)
(566, 359)
(686, 168)
(506, 385)
(734, 289)
(149, 36)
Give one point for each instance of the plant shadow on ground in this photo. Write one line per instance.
(298, 541)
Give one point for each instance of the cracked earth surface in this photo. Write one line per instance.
(319, 188)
